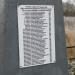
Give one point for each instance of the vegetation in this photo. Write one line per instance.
(69, 9)
(70, 42)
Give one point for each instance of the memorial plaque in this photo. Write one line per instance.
(36, 28)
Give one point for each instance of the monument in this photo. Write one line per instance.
(35, 39)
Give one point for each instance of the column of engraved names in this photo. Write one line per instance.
(38, 36)
(37, 43)
(27, 39)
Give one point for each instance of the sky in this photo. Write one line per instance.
(72, 1)
(64, 0)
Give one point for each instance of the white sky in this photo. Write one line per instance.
(72, 1)
(64, 0)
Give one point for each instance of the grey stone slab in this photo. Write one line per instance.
(11, 63)
(2, 34)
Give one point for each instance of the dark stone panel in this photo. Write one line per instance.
(11, 63)
(2, 34)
